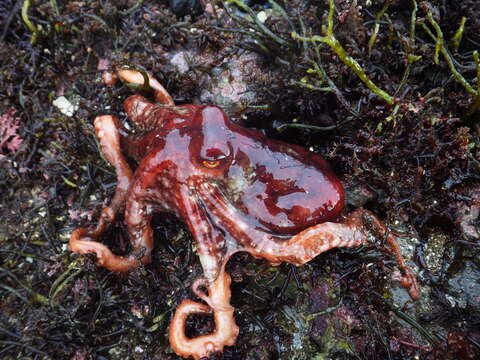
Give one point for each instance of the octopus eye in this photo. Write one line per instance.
(210, 163)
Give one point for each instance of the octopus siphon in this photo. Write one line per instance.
(235, 189)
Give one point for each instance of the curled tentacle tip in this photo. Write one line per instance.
(410, 283)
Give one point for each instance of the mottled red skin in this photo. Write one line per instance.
(276, 188)
(235, 189)
(285, 188)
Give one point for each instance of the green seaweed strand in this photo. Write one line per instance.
(376, 27)
(35, 31)
(241, 5)
(440, 47)
(458, 34)
(331, 41)
(476, 102)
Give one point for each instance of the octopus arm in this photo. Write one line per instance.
(309, 243)
(226, 331)
(135, 77)
(83, 240)
(208, 238)
(213, 256)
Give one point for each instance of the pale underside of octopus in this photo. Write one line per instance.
(195, 163)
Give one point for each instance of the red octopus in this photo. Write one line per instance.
(235, 189)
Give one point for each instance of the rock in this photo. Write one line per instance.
(186, 7)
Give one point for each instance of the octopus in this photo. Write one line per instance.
(235, 189)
